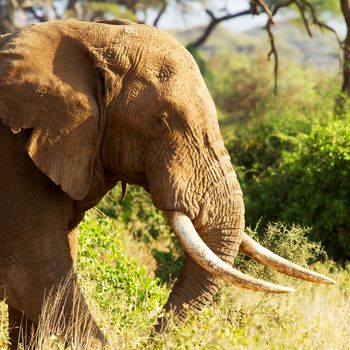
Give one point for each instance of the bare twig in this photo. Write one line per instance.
(273, 52)
(35, 14)
(160, 13)
(214, 21)
(55, 11)
(262, 4)
(301, 7)
(305, 8)
(320, 24)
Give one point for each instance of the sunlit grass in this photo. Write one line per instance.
(126, 299)
(3, 325)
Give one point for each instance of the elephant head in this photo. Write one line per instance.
(108, 103)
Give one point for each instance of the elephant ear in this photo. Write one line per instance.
(48, 84)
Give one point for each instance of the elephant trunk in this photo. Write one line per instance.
(220, 226)
(210, 253)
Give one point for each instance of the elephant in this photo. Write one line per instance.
(85, 106)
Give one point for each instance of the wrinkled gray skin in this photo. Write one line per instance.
(83, 106)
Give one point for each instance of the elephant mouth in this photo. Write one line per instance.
(209, 261)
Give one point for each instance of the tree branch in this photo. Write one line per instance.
(304, 6)
(212, 25)
(160, 13)
(302, 10)
(273, 52)
(320, 24)
(256, 3)
(31, 10)
(345, 7)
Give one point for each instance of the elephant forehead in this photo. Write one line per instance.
(187, 90)
(173, 74)
(164, 57)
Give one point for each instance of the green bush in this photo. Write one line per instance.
(291, 243)
(239, 86)
(137, 212)
(169, 262)
(319, 181)
(310, 185)
(113, 275)
(290, 151)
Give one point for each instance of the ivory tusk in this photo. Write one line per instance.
(204, 257)
(256, 251)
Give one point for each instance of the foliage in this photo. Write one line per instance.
(106, 9)
(311, 186)
(291, 153)
(169, 262)
(258, 131)
(137, 212)
(291, 243)
(331, 6)
(115, 276)
(236, 96)
(241, 87)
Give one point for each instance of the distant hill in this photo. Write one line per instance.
(321, 51)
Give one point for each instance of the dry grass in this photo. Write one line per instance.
(54, 331)
(315, 317)
(3, 325)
